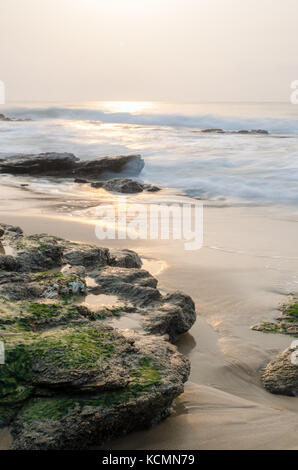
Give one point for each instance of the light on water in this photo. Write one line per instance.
(252, 168)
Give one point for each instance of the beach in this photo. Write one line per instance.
(239, 277)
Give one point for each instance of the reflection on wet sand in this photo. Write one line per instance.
(237, 279)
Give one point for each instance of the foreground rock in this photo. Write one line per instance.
(281, 374)
(70, 379)
(66, 165)
(124, 185)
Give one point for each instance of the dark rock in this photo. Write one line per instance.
(130, 164)
(281, 375)
(43, 164)
(216, 131)
(259, 131)
(124, 185)
(119, 185)
(67, 165)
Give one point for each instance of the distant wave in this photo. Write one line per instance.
(199, 121)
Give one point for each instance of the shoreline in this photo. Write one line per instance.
(226, 355)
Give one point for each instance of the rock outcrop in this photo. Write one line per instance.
(66, 165)
(70, 379)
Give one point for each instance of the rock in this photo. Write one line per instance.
(71, 381)
(174, 316)
(216, 131)
(124, 185)
(281, 375)
(242, 131)
(134, 390)
(125, 259)
(259, 131)
(67, 165)
(1, 232)
(84, 255)
(43, 164)
(119, 185)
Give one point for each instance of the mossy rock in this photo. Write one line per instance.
(287, 323)
(32, 355)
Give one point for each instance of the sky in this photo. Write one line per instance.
(151, 50)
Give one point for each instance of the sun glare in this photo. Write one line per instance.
(127, 106)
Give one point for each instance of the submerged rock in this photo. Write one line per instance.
(67, 165)
(281, 374)
(70, 380)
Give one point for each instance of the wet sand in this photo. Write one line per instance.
(248, 265)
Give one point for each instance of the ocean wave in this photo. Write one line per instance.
(198, 121)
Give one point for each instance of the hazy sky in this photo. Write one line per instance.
(172, 50)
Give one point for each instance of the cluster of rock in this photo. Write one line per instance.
(281, 374)
(242, 131)
(120, 185)
(66, 165)
(70, 380)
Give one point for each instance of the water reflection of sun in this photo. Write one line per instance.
(127, 106)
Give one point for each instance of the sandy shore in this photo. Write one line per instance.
(246, 268)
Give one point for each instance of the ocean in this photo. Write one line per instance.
(237, 168)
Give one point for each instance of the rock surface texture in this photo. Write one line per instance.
(71, 380)
(281, 374)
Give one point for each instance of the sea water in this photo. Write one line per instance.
(226, 166)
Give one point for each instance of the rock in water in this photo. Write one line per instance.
(43, 164)
(281, 374)
(119, 185)
(67, 165)
(124, 185)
